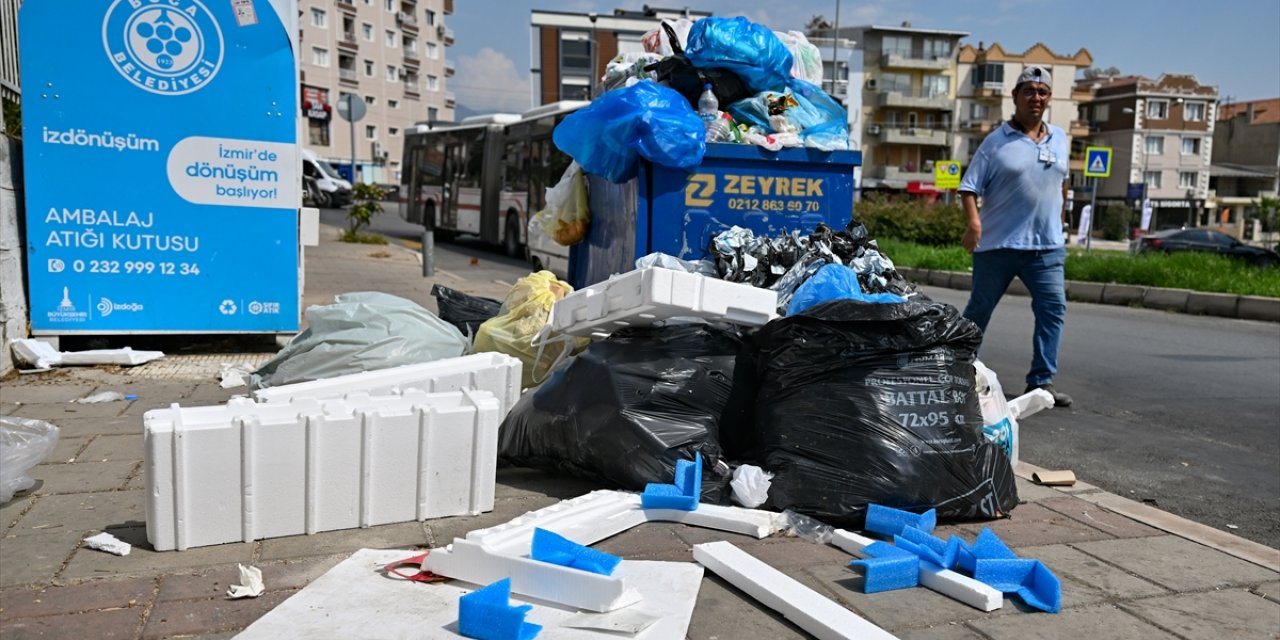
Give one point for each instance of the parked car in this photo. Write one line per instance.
(324, 187)
(1206, 240)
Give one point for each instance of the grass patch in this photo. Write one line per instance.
(1188, 270)
(361, 238)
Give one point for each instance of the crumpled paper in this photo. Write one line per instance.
(109, 543)
(252, 578)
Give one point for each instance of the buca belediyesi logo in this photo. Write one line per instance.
(169, 47)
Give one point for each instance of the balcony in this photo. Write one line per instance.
(978, 126)
(349, 5)
(449, 68)
(407, 21)
(898, 174)
(411, 58)
(1081, 95)
(448, 7)
(900, 99)
(411, 88)
(348, 75)
(1079, 128)
(450, 100)
(989, 90)
(900, 61)
(909, 135)
(347, 41)
(447, 34)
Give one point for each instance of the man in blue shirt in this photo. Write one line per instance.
(1020, 171)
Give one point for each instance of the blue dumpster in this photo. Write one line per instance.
(677, 212)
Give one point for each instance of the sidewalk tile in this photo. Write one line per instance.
(35, 559)
(444, 530)
(81, 477)
(795, 553)
(952, 631)
(1176, 563)
(74, 426)
(724, 612)
(405, 535)
(143, 562)
(67, 449)
(1101, 621)
(702, 535)
(86, 596)
(522, 482)
(1029, 491)
(1269, 590)
(212, 582)
(115, 447)
(8, 408)
(1071, 564)
(648, 540)
(10, 510)
(50, 388)
(1235, 614)
(1100, 518)
(82, 512)
(114, 623)
(901, 608)
(190, 617)
(1023, 532)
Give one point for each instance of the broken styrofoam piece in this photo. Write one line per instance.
(629, 621)
(889, 522)
(888, 568)
(647, 296)
(1030, 403)
(808, 609)
(683, 494)
(496, 373)
(251, 583)
(470, 561)
(38, 354)
(487, 614)
(1029, 579)
(988, 546)
(245, 471)
(949, 583)
(352, 600)
(109, 543)
(556, 549)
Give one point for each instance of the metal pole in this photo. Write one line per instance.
(351, 97)
(835, 38)
(428, 253)
(1093, 214)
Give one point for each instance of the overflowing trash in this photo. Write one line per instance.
(567, 215)
(466, 312)
(23, 444)
(523, 315)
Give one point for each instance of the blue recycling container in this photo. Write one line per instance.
(678, 212)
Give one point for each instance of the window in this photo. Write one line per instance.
(393, 104)
(990, 75)
(575, 64)
(393, 131)
(1186, 179)
(319, 57)
(978, 111)
(391, 73)
(896, 82)
(913, 119)
(937, 48)
(1101, 112)
(1151, 179)
(1155, 145)
(1157, 109)
(391, 39)
(936, 86)
(896, 45)
(433, 51)
(318, 132)
(431, 18)
(433, 83)
(1194, 111)
(891, 118)
(366, 30)
(973, 146)
(368, 68)
(319, 18)
(1191, 146)
(930, 121)
(411, 45)
(432, 114)
(370, 132)
(370, 100)
(388, 5)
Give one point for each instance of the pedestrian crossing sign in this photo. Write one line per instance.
(1097, 162)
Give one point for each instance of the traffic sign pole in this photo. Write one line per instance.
(1093, 215)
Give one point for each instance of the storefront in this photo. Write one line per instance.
(318, 111)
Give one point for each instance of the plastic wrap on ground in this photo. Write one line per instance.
(24, 442)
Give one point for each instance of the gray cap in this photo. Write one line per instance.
(1035, 73)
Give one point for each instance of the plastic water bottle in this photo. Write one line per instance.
(708, 106)
(720, 129)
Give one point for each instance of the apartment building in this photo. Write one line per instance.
(389, 53)
(984, 94)
(1161, 132)
(571, 50)
(1246, 153)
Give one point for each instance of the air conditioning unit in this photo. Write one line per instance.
(440, 30)
(872, 83)
(404, 73)
(873, 129)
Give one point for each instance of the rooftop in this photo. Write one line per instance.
(1264, 111)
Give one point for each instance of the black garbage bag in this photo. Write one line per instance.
(864, 402)
(466, 312)
(627, 408)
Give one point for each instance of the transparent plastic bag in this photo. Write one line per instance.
(750, 485)
(807, 58)
(23, 444)
(567, 217)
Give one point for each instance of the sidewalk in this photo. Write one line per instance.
(1127, 570)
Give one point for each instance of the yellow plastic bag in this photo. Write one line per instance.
(567, 217)
(524, 313)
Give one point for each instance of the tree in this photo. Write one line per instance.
(367, 204)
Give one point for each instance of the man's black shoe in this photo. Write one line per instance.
(1059, 399)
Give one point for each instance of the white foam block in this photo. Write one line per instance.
(645, 296)
(355, 600)
(949, 583)
(808, 609)
(245, 471)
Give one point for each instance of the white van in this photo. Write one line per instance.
(323, 183)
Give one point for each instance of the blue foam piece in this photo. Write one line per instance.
(683, 494)
(888, 568)
(557, 549)
(1029, 579)
(486, 614)
(930, 548)
(888, 521)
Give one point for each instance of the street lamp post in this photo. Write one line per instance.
(592, 92)
(1142, 178)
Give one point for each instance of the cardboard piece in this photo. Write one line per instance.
(1063, 478)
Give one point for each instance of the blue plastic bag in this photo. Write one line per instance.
(749, 50)
(821, 120)
(645, 119)
(835, 282)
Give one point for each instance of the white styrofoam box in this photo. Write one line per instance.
(246, 471)
(645, 296)
(496, 373)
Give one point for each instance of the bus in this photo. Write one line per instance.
(484, 176)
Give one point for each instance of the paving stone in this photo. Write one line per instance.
(950, 631)
(702, 535)
(1027, 529)
(66, 449)
(10, 510)
(444, 530)
(108, 448)
(522, 482)
(81, 477)
(648, 540)
(82, 512)
(1099, 518)
(86, 596)
(1268, 590)
(8, 408)
(915, 607)
(189, 617)
(76, 426)
(114, 623)
(1068, 563)
(1233, 613)
(724, 612)
(143, 562)
(213, 582)
(1177, 563)
(1029, 491)
(1099, 621)
(796, 553)
(28, 560)
(53, 388)
(404, 535)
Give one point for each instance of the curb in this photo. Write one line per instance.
(1230, 544)
(1224, 305)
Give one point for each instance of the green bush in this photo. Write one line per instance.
(367, 204)
(935, 225)
(1116, 221)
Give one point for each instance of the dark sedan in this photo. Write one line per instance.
(1207, 240)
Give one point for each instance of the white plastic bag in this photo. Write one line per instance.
(567, 217)
(806, 58)
(999, 424)
(23, 444)
(750, 485)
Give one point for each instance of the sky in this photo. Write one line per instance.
(1233, 44)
